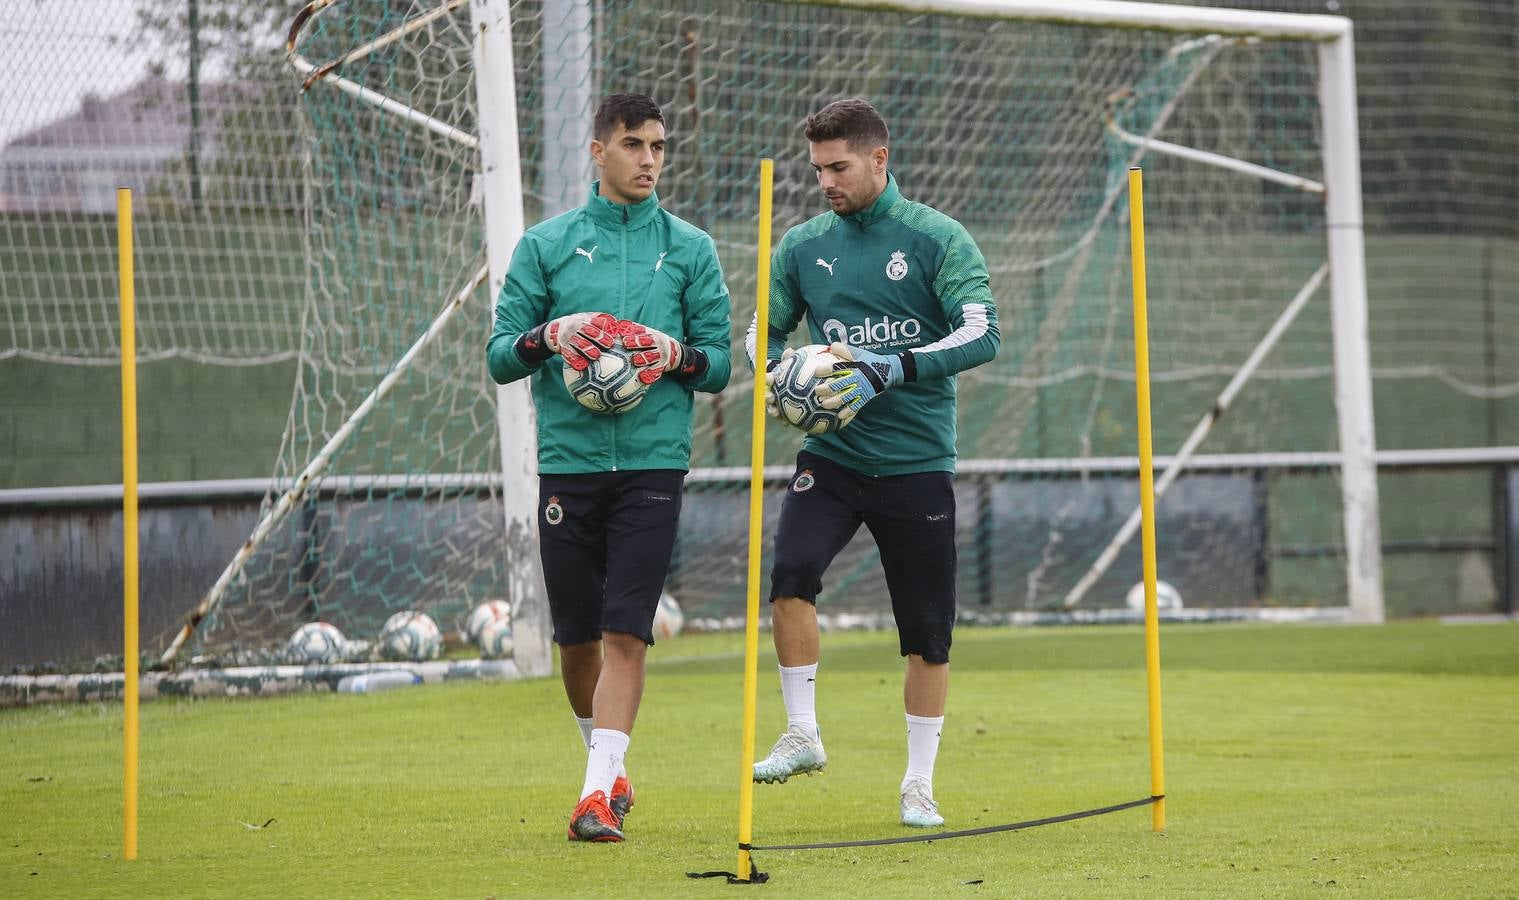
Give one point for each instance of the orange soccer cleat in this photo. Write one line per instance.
(593, 820)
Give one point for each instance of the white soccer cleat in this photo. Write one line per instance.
(795, 753)
(918, 807)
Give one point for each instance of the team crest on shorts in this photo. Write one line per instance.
(896, 269)
(553, 513)
(804, 482)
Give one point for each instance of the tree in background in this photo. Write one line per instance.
(243, 147)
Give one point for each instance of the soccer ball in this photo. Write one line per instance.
(668, 619)
(1166, 596)
(483, 615)
(316, 643)
(796, 377)
(495, 639)
(609, 385)
(410, 636)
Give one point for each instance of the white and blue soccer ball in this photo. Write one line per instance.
(483, 615)
(316, 643)
(793, 384)
(495, 639)
(668, 618)
(609, 385)
(1166, 596)
(410, 636)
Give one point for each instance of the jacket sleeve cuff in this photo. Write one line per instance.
(531, 347)
(693, 365)
(909, 366)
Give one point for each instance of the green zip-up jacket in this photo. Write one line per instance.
(898, 277)
(636, 262)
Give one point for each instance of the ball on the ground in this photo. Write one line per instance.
(495, 639)
(316, 643)
(609, 385)
(1166, 596)
(668, 618)
(410, 636)
(797, 377)
(483, 615)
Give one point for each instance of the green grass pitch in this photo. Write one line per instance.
(1301, 761)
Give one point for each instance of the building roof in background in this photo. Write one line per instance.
(151, 113)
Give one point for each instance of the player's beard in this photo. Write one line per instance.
(851, 205)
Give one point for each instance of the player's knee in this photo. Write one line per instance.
(792, 612)
(625, 646)
(580, 654)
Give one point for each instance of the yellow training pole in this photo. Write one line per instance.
(128, 517)
(1147, 492)
(756, 520)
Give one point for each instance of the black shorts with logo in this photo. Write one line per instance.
(911, 517)
(605, 539)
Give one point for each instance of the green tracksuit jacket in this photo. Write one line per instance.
(896, 277)
(636, 262)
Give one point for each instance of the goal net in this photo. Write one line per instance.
(389, 493)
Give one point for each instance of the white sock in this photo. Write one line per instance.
(603, 760)
(799, 691)
(586, 725)
(922, 747)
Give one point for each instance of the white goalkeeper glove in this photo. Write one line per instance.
(863, 376)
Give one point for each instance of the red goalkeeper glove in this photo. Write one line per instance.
(654, 353)
(580, 337)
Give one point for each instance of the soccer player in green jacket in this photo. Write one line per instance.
(900, 292)
(610, 486)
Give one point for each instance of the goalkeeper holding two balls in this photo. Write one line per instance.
(900, 292)
(617, 270)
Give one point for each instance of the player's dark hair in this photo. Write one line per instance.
(853, 120)
(627, 110)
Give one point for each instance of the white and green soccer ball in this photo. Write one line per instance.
(793, 385)
(609, 385)
(316, 643)
(495, 639)
(668, 618)
(1166, 596)
(483, 615)
(410, 636)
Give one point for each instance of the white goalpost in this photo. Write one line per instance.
(501, 179)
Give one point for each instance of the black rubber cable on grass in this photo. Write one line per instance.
(969, 832)
(759, 877)
(755, 876)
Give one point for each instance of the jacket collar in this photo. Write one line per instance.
(609, 213)
(890, 197)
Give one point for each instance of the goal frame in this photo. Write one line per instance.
(1334, 39)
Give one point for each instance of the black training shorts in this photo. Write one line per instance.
(605, 539)
(911, 517)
